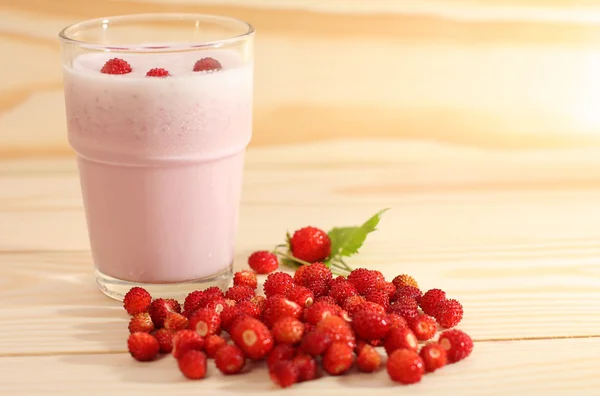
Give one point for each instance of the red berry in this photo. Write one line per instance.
(318, 311)
(174, 322)
(141, 322)
(185, 340)
(228, 315)
(263, 262)
(193, 301)
(431, 299)
(370, 325)
(278, 307)
(307, 367)
(280, 352)
(230, 359)
(245, 278)
(159, 309)
(116, 66)
(284, 373)
(288, 330)
(142, 346)
(250, 309)
(240, 293)
(212, 343)
(406, 307)
(207, 64)
(310, 244)
(205, 322)
(299, 275)
(301, 296)
(342, 290)
(368, 359)
(278, 283)
(364, 280)
(434, 356)
(352, 304)
(387, 287)
(253, 337)
(397, 321)
(218, 304)
(315, 342)
(192, 364)
(137, 300)
(337, 329)
(165, 340)
(424, 326)
(157, 72)
(405, 366)
(400, 339)
(318, 287)
(370, 306)
(213, 292)
(326, 299)
(259, 301)
(407, 291)
(379, 297)
(457, 343)
(405, 280)
(449, 313)
(317, 272)
(338, 358)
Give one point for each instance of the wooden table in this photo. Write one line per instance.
(515, 236)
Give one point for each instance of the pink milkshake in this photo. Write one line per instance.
(161, 160)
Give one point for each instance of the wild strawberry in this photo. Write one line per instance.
(259, 301)
(318, 311)
(364, 280)
(370, 325)
(141, 323)
(228, 315)
(175, 322)
(431, 299)
(280, 352)
(284, 373)
(397, 321)
(310, 244)
(159, 309)
(338, 358)
(307, 367)
(213, 292)
(277, 283)
(240, 293)
(279, 307)
(212, 343)
(288, 330)
(301, 296)
(400, 339)
(250, 309)
(406, 307)
(218, 304)
(368, 359)
(245, 278)
(185, 340)
(165, 340)
(318, 287)
(352, 304)
(142, 346)
(370, 306)
(299, 275)
(192, 302)
(342, 290)
(253, 337)
(192, 364)
(407, 291)
(263, 262)
(387, 287)
(326, 299)
(434, 356)
(158, 72)
(379, 297)
(315, 342)
(205, 322)
(116, 66)
(337, 329)
(230, 359)
(405, 280)
(457, 343)
(137, 300)
(449, 313)
(405, 366)
(424, 326)
(317, 272)
(207, 64)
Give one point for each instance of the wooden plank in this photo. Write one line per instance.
(549, 367)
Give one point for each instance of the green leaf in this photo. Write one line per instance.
(346, 241)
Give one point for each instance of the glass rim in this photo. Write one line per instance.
(65, 38)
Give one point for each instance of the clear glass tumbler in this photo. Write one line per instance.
(159, 113)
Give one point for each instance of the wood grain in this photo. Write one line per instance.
(556, 367)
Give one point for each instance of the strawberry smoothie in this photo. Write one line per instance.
(160, 162)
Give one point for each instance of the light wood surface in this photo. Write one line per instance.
(476, 122)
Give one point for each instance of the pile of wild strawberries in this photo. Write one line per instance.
(304, 322)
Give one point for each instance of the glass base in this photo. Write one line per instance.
(117, 288)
